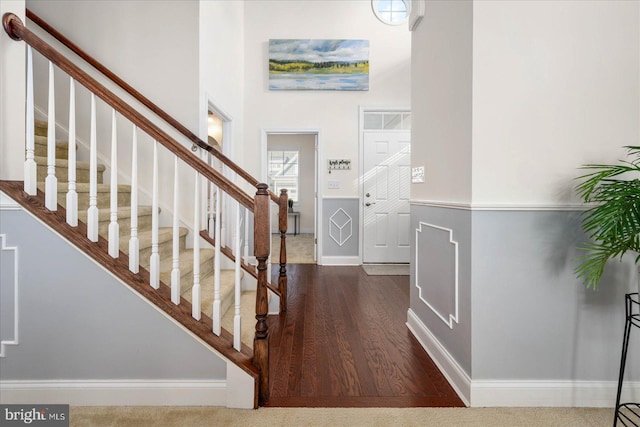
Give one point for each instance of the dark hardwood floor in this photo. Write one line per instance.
(343, 343)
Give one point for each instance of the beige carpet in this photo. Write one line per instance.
(437, 417)
(299, 249)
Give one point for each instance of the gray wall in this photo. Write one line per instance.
(77, 322)
(456, 340)
(523, 315)
(331, 207)
(532, 319)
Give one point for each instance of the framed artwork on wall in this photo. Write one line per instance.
(299, 64)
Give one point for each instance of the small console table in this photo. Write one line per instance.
(628, 413)
(296, 217)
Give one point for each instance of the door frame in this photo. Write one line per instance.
(264, 133)
(362, 110)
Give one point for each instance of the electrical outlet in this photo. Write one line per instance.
(334, 185)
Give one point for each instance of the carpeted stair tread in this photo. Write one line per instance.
(227, 281)
(83, 172)
(64, 163)
(186, 267)
(123, 212)
(40, 148)
(103, 193)
(41, 126)
(165, 234)
(124, 220)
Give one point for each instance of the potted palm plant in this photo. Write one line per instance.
(613, 223)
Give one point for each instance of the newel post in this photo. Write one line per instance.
(282, 226)
(261, 251)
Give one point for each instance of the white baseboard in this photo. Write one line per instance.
(339, 260)
(453, 372)
(519, 393)
(116, 393)
(594, 394)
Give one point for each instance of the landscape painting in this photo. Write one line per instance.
(296, 64)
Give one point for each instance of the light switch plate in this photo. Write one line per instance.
(334, 185)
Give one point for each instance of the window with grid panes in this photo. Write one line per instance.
(283, 172)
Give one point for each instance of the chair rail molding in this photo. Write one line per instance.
(571, 207)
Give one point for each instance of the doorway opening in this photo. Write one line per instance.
(290, 162)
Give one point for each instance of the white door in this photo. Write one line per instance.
(387, 178)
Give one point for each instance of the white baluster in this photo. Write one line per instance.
(154, 260)
(246, 234)
(195, 290)
(30, 166)
(93, 212)
(134, 243)
(216, 270)
(212, 206)
(237, 335)
(223, 226)
(72, 195)
(175, 272)
(114, 228)
(51, 182)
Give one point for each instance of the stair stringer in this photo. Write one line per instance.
(236, 388)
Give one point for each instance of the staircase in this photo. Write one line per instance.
(165, 234)
(177, 268)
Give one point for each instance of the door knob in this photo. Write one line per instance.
(368, 195)
(369, 203)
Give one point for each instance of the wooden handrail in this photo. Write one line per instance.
(145, 101)
(17, 31)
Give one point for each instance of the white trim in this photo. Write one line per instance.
(594, 394)
(518, 393)
(453, 372)
(451, 317)
(8, 204)
(117, 392)
(362, 109)
(16, 317)
(340, 260)
(501, 206)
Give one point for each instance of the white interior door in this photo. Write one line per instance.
(387, 180)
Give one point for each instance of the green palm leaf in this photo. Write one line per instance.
(613, 223)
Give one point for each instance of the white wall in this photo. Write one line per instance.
(305, 144)
(335, 114)
(222, 65)
(12, 90)
(555, 85)
(441, 55)
(153, 46)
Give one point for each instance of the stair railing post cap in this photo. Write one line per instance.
(7, 22)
